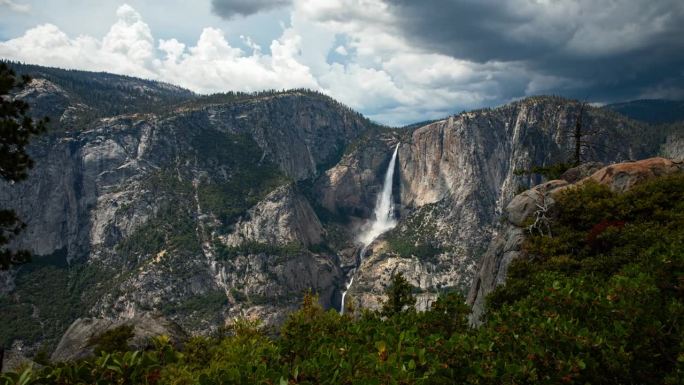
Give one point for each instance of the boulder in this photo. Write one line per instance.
(524, 205)
(582, 171)
(75, 343)
(621, 177)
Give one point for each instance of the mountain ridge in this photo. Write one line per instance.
(168, 211)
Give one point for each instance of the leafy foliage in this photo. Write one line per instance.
(607, 286)
(109, 368)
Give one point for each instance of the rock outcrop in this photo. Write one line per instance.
(524, 207)
(283, 217)
(673, 147)
(623, 176)
(76, 343)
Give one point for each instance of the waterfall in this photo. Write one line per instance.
(383, 221)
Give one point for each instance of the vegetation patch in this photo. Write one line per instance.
(172, 228)
(48, 292)
(242, 176)
(224, 252)
(208, 305)
(600, 301)
(414, 237)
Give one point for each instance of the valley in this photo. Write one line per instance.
(204, 209)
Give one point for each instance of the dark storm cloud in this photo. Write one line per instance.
(603, 50)
(230, 8)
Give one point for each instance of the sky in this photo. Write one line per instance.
(396, 61)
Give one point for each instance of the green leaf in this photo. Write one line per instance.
(115, 368)
(204, 379)
(25, 377)
(581, 364)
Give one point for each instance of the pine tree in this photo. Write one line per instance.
(399, 296)
(16, 129)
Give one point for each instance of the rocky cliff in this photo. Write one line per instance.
(153, 210)
(205, 208)
(455, 177)
(674, 145)
(524, 210)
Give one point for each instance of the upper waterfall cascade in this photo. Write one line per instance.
(383, 220)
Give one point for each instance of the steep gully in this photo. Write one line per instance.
(383, 221)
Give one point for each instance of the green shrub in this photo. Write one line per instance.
(553, 171)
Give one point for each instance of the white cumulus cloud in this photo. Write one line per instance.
(381, 74)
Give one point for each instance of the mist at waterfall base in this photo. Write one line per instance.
(383, 221)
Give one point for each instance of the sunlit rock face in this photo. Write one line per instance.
(456, 175)
(284, 216)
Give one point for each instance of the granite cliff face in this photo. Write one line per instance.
(282, 217)
(674, 145)
(153, 210)
(208, 208)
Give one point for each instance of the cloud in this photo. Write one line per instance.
(341, 50)
(400, 61)
(378, 73)
(211, 65)
(486, 30)
(128, 47)
(231, 8)
(609, 50)
(392, 80)
(16, 7)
